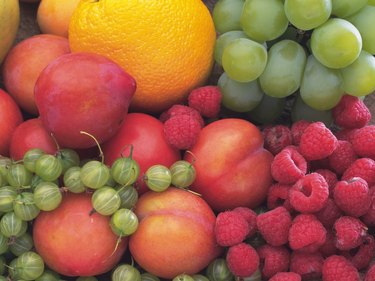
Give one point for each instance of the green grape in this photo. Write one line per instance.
(239, 96)
(126, 272)
(218, 270)
(307, 14)
(12, 225)
(21, 244)
(48, 167)
(47, 196)
(4, 245)
(158, 178)
(346, 8)
(29, 266)
(358, 78)
(183, 277)
(128, 195)
(283, 73)
(263, 20)
(124, 222)
(106, 201)
(321, 86)
(87, 278)
(226, 15)
(183, 173)
(336, 43)
(268, 110)
(223, 40)
(18, 176)
(301, 111)
(7, 195)
(200, 277)
(2, 268)
(24, 206)
(149, 277)
(49, 275)
(68, 158)
(72, 180)
(244, 60)
(94, 174)
(364, 21)
(30, 158)
(125, 170)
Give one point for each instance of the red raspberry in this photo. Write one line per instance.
(317, 142)
(329, 247)
(309, 194)
(274, 226)
(329, 214)
(345, 134)
(350, 233)
(278, 195)
(242, 260)
(273, 259)
(330, 177)
(361, 168)
(351, 112)
(288, 166)
(307, 234)
(342, 157)
(369, 217)
(297, 130)
(286, 276)
(338, 268)
(182, 131)
(251, 218)
(370, 274)
(309, 266)
(363, 142)
(364, 255)
(206, 100)
(230, 228)
(352, 197)
(276, 138)
(179, 109)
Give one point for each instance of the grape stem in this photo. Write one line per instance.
(101, 154)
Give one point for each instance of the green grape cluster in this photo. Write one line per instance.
(273, 50)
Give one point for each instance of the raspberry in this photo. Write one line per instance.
(349, 232)
(351, 112)
(278, 195)
(182, 131)
(242, 260)
(363, 142)
(352, 197)
(276, 138)
(251, 218)
(306, 234)
(309, 194)
(317, 142)
(345, 134)
(206, 100)
(286, 276)
(297, 130)
(288, 166)
(364, 255)
(309, 266)
(230, 228)
(329, 214)
(329, 247)
(342, 157)
(369, 217)
(370, 274)
(338, 268)
(273, 259)
(330, 177)
(179, 109)
(362, 168)
(274, 226)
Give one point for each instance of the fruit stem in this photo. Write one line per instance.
(194, 157)
(101, 154)
(55, 141)
(131, 150)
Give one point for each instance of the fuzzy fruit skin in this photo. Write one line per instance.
(233, 168)
(67, 237)
(171, 232)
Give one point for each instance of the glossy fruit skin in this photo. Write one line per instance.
(156, 55)
(145, 133)
(83, 92)
(9, 22)
(233, 168)
(10, 118)
(67, 237)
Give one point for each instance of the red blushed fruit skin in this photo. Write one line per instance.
(10, 118)
(175, 233)
(232, 167)
(83, 92)
(146, 134)
(30, 134)
(74, 243)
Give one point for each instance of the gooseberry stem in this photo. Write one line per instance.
(101, 154)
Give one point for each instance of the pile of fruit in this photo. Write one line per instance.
(165, 140)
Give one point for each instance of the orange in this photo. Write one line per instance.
(53, 16)
(166, 45)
